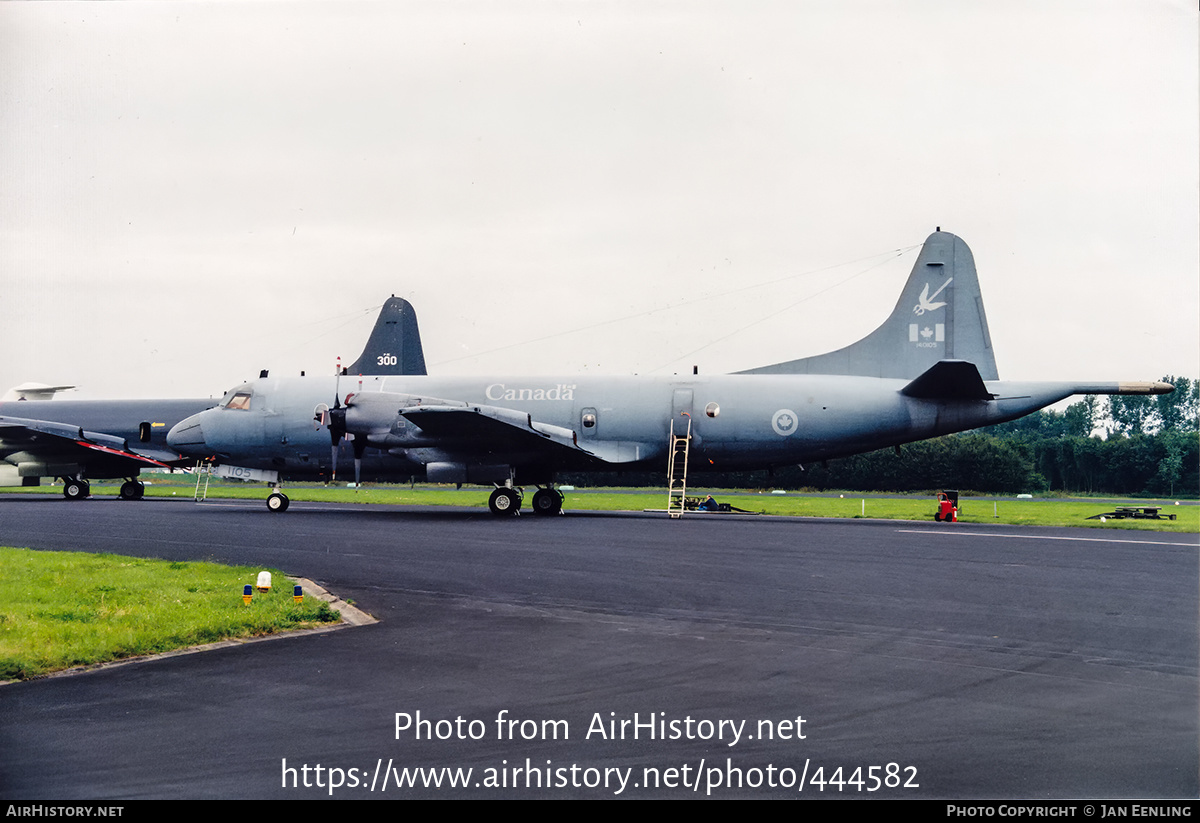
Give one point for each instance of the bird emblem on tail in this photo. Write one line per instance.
(924, 305)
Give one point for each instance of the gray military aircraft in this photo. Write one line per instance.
(79, 441)
(928, 370)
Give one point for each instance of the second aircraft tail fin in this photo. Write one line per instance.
(939, 317)
(394, 346)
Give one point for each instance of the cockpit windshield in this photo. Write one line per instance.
(237, 399)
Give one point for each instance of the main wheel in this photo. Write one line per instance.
(132, 490)
(504, 501)
(547, 501)
(76, 489)
(277, 502)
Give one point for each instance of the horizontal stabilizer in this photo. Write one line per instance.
(949, 380)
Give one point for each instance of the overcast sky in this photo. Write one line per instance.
(192, 191)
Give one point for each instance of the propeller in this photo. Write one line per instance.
(337, 430)
(335, 419)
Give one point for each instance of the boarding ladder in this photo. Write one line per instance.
(677, 461)
(203, 475)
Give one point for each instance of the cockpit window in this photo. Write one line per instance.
(238, 397)
(239, 400)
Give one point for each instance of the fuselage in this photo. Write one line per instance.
(138, 421)
(737, 421)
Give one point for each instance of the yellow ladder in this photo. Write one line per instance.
(677, 461)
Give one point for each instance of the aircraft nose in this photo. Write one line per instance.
(187, 436)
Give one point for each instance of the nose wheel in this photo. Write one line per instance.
(277, 502)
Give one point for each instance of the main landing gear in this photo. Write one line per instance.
(507, 500)
(76, 488)
(547, 501)
(132, 490)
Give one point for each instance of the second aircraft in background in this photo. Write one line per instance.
(79, 441)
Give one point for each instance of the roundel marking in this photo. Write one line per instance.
(784, 422)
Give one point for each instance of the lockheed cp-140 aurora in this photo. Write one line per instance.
(928, 370)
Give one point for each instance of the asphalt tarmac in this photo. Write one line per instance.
(628, 655)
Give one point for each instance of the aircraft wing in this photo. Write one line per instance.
(38, 441)
(499, 428)
(483, 429)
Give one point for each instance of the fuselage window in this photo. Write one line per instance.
(589, 420)
(712, 409)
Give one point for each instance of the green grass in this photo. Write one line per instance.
(971, 510)
(64, 609)
(1012, 511)
(917, 507)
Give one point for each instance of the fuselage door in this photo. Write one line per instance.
(681, 408)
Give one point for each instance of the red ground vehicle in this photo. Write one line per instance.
(947, 506)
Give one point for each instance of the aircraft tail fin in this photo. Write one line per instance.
(939, 317)
(394, 346)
